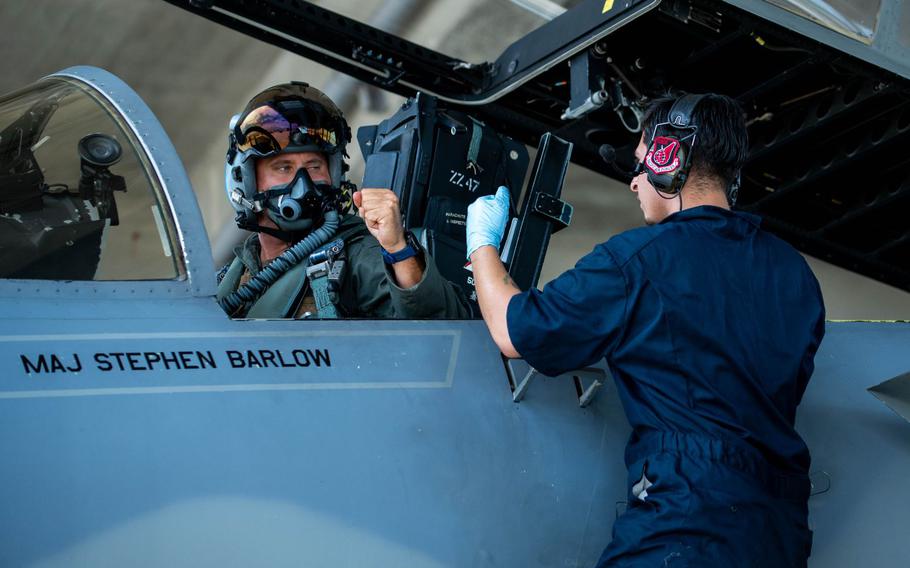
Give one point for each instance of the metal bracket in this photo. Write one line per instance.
(586, 393)
(519, 388)
(593, 102)
(376, 58)
(819, 482)
(587, 382)
(587, 78)
(556, 210)
(530, 243)
(522, 388)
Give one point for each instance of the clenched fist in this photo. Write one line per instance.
(382, 215)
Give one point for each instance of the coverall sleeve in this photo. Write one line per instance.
(433, 297)
(576, 319)
(376, 294)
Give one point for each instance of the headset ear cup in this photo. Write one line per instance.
(660, 182)
(680, 176)
(666, 171)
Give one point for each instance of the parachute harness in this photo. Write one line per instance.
(258, 284)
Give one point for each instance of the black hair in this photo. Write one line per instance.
(721, 143)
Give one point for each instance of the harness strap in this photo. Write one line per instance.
(325, 271)
(474, 147)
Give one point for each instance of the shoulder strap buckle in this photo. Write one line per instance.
(325, 272)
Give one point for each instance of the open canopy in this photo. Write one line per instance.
(824, 86)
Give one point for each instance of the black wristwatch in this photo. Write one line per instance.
(411, 249)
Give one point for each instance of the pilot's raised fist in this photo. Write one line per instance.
(380, 211)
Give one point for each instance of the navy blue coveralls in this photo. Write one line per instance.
(710, 327)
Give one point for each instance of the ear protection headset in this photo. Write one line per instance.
(669, 156)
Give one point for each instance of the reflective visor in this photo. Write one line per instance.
(267, 131)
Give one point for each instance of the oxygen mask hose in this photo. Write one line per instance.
(281, 264)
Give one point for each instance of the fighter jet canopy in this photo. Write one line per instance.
(83, 185)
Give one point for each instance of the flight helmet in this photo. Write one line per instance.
(291, 117)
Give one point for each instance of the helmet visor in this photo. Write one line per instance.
(266, 131)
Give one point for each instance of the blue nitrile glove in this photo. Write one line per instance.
(487, 218)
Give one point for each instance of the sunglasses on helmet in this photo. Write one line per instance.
(265, 130)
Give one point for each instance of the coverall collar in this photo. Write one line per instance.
(710, 212)
(247, 253)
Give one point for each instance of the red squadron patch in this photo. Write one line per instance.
(663, 157)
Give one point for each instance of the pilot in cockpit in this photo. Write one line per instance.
(308, 256)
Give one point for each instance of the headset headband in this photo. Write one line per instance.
(681, 112)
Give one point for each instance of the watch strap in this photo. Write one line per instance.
(411, 249)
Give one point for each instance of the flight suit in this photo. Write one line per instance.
(709, 326)
(368, 287)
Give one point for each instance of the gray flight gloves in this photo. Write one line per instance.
(487, 218)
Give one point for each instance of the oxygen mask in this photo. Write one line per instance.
(301, 203)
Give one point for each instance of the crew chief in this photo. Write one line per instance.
(709, 326)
